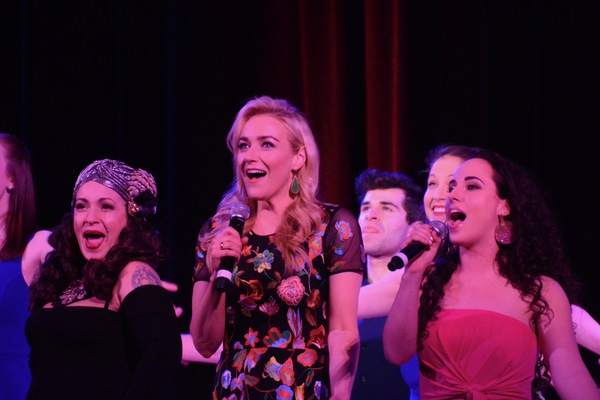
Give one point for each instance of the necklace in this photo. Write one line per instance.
(74, 292)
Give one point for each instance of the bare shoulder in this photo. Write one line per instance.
(557, 300)
(134, 275)
(553, 291)
(34, 255)
(138, 273)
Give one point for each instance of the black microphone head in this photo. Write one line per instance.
(240, 210)
(395, 263)
(440, 228)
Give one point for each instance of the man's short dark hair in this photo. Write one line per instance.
(373, 179)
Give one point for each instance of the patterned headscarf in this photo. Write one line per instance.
(135, 186)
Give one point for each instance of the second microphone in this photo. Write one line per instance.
(414, 250)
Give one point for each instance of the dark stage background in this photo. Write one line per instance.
(157, 84)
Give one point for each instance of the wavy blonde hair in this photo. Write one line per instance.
(305, 214)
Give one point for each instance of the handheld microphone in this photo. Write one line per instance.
(414, 249)
(239, 213)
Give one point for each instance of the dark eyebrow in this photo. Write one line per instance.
(472, 178)
(388, 203)
(435, 176)
(99, 200)
(384, 203)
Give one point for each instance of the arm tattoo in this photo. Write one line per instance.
(144, 276)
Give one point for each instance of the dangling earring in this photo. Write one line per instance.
(504, 231)
(9, 189)
(295, 188)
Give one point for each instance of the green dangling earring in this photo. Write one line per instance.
(295, 188)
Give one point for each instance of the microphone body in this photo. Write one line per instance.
(239, 214)
(415, 249)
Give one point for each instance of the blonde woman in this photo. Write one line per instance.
(288, 323)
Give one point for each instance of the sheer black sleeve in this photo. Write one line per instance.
(343, 243)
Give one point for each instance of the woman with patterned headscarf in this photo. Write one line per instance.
(102, 326)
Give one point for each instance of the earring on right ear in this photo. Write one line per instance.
(9, 189)
(504, 231)
(295, 188)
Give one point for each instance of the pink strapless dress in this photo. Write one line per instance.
(478, 355)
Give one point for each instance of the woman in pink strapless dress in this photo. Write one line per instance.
(496, 297)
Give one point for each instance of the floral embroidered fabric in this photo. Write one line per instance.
(275, 343)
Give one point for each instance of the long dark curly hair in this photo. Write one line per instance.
(138, 241)
(537, 249)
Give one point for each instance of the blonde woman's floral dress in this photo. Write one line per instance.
(275, 343)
